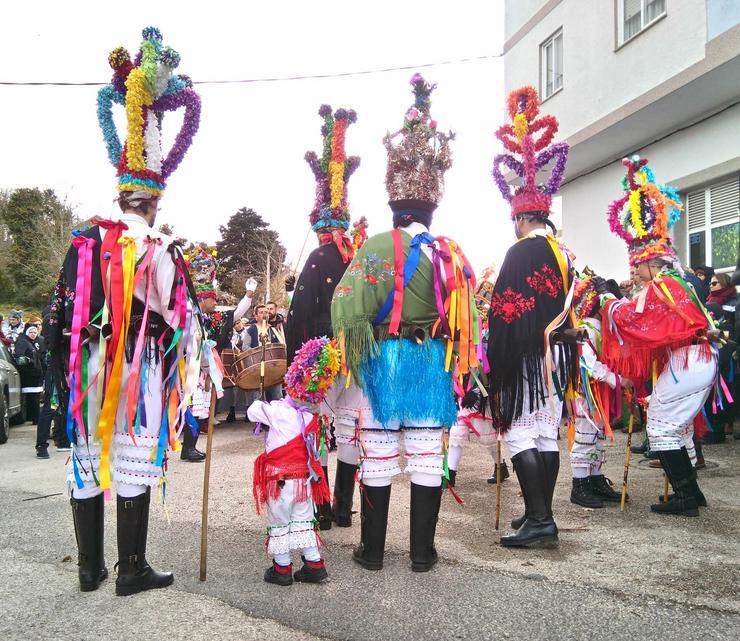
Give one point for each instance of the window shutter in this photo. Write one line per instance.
(697, 209)
(724, 199)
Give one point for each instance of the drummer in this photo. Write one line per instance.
(254, 333)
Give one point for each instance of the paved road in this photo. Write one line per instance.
(614, 576)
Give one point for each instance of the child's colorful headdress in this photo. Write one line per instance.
(332, 171)
(645, 214)
(313, 370)
(585, 296)
(202, 265)
(520, 138)
(146, 88)
(416, 165)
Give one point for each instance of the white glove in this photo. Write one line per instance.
(250, 285)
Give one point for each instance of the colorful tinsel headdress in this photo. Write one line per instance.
(146, 88)
(358, 233)
(520, 138)
(332, 171)
(202, 265)
(417, 164)
(585, 296)
(645, 214)
(313, 370)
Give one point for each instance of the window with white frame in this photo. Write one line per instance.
(713, 215)
(551, 65)
(635, 15)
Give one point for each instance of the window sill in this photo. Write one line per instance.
(552, 95)
(643, 30)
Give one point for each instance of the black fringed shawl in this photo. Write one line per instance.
(310, 311)
(528, 295)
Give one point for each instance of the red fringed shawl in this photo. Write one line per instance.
(666, 316)
(290, 462)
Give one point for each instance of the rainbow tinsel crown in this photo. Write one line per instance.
(651, 212)
(417, 164)
(519, 138)
(146, 88)
(313, 370)
(332, 171)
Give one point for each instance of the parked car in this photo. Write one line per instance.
(11, 399)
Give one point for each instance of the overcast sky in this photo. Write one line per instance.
(252, 138)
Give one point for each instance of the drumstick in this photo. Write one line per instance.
(206, 479)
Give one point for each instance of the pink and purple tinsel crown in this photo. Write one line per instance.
(519, 138)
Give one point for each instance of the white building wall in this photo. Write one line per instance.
(517, 13)
(712, 143)
(597, 79)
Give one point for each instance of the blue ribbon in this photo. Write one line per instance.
(409, 268)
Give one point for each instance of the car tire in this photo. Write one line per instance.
(4, 420)
(20, 417)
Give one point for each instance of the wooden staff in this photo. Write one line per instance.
(627, 456)
(665, 488)
(498, 477)
(206, 479)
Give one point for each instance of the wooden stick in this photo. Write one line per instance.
(665, 488)
(206, 480)
(627, 458)
(498, 478)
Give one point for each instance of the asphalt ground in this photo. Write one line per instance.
(613, 576)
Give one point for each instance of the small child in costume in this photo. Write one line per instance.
(288, 477)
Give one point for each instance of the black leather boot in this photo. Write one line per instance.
(87, 515)
(604, 488)
(682, 476)
(344, 491)
(311, 572)
(374, 522)
(539, 526)
(134, 573)
(516, 523)
(324, 512)
(581, 494)
(425, 504)
(551, 461)
(504, 472)
(188, 452)
(279, 574)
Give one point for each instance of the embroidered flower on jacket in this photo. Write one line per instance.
(546, 281)
(510, 305)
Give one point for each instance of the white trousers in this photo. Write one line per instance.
(675, 402)
(536, 430)
(132, 460)
(461, 436)
(588, 452)
(290, 525)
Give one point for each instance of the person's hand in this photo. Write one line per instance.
(250, 286)
(290, 283)
(600, 285)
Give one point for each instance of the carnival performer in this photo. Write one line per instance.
(593, 404)
(310, 310)
(405, 320)
(662, 334)
(124, 320)
(288, 476)
(530, 373)
(202, 265)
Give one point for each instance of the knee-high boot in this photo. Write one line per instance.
(324, 512)
(344, 491)
(539, 526)
(189, 452)
(134, 573)
(425, 504)
(551, 461)
(87, 515)
(374, 523)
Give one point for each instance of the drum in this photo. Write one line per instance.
(247, 366)
(228, 356)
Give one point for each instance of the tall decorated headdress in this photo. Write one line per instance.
(146, 87)
(527, 139)
(358, 234)
(202, 265)
(585, 296)
(332, 171)
(418, 161)
(314, 369)
(645, 213)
